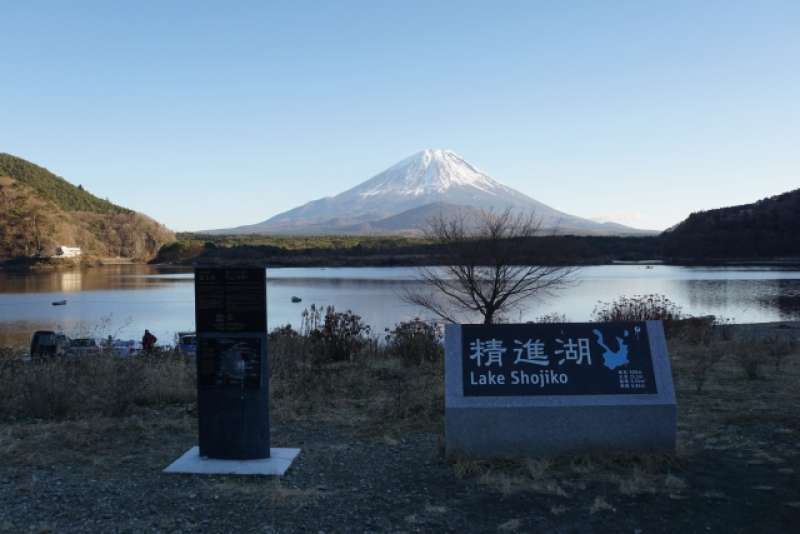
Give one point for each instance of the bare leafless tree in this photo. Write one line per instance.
(486, 273)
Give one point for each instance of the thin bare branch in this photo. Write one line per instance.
(487, 272)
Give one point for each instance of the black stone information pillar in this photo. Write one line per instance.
(232, 373)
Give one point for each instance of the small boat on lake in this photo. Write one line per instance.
(59, 303)
(296, 299)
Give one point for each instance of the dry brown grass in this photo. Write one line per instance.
(374, 388)
(78, 442)
(101, 385)
(274, 492)
(625, 474)
(383, 396)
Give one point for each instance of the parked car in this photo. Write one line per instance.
(48, 344)
(120, 347)
(125, 347)
(82, 347)
(186, 343)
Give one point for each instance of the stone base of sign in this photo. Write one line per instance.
(516, 431)
(192, 463)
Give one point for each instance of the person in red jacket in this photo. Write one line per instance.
(148, 341)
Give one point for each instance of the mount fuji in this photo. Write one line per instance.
(403, 198)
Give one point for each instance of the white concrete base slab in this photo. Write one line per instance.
(192, 463)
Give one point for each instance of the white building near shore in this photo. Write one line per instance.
(68, 252)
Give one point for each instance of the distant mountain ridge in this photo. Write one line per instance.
(40, 211)
(402, 199)
(767, 228)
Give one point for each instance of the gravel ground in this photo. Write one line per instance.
(111, 482)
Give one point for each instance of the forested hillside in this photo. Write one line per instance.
(40, 211)
(768, 228)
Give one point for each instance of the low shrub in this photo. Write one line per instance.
(704, 342)
(337, 336)
(638, 308)
(343, 334)
(702, 359)
(724, 326)
(551, 318)
(414, 342)
(695, 330)
(752, 353)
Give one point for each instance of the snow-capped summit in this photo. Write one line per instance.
(402, 198)
(428, 171)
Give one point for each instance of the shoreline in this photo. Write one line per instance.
(55, 265)
(62, 264)
(20, 332)
(430, 261)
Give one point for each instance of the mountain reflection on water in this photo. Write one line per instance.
(123, 300)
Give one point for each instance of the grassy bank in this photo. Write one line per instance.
(338, 370)
(312, 374)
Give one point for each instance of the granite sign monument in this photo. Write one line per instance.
(530, 389)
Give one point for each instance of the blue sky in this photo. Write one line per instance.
(215, 114)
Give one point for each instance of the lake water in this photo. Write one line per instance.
(124, 300)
